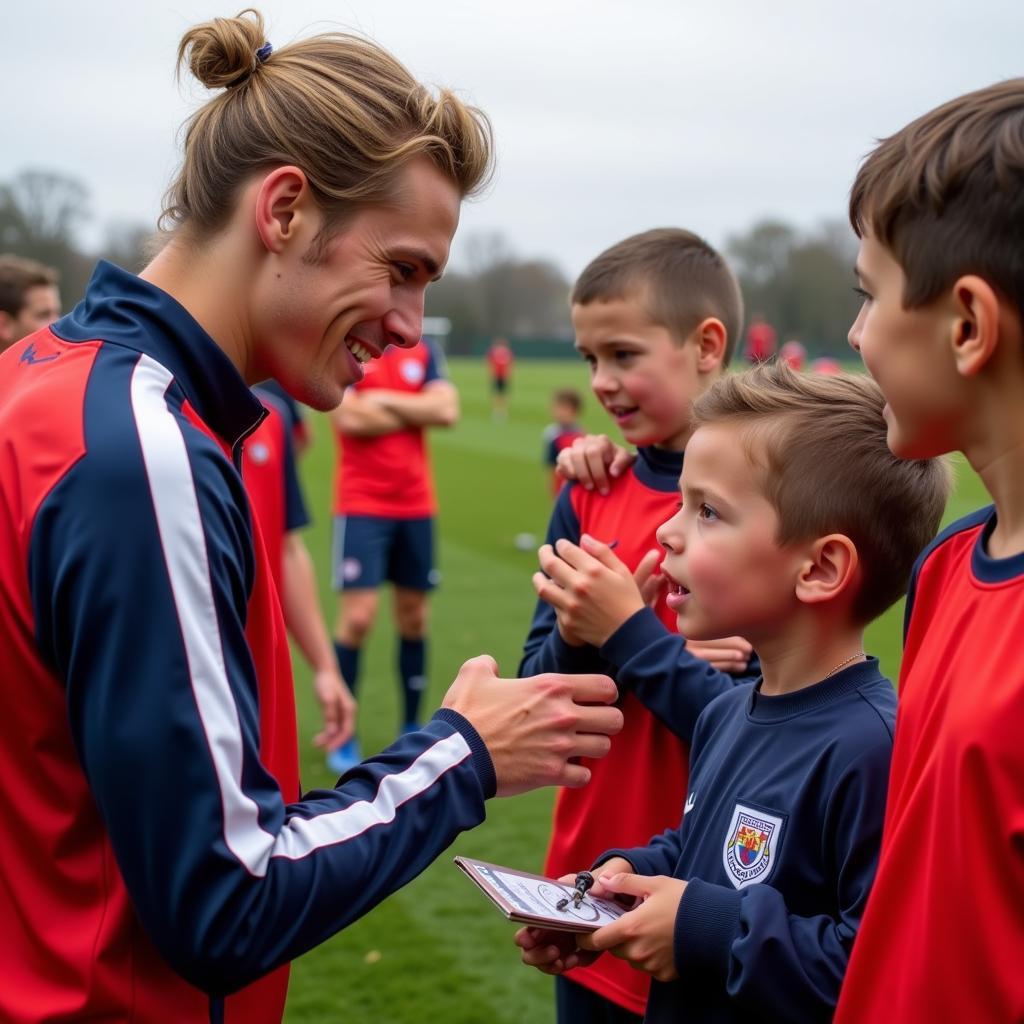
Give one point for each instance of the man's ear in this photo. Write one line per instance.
(829, 570)
(710, 337)
(284, 202)
(975, 327)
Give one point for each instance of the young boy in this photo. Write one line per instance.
(760, 890)
(939, 208)
(655, 318)
(566, 404)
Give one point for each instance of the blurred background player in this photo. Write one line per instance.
(500, 360)
(296, 420)
(566, 404)
(383, 531)
(826, 365)
(29, 299)
(271, 480)
(761, 340)
(793, 354)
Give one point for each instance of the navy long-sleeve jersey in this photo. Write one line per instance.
(779, 845)
(639, 788)
(154, 851)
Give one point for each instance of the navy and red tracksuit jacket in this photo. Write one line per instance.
(154, 852)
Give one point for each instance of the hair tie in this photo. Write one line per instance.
(263, 53)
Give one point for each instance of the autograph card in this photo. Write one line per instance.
(533, 899)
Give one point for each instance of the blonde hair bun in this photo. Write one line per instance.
(222, 52)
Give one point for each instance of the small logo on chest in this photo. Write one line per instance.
(412, 371)
(751, 845)
(258, 452)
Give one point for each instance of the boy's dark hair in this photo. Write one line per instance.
(681, 279)
(945, 195)
(570, 397)
(17, 276)
(821, 445)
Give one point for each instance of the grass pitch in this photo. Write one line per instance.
(436, 951)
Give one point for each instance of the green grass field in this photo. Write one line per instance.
(436, 951)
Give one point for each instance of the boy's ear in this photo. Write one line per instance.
(975, 330)
(6, 329)
(284, 202)
(710, 337)
(829, 570)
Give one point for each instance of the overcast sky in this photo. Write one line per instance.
(610, 117)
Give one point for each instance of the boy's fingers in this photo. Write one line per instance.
(557, 568)
(600, 551)
(625, 882)
(550, 592)
(596, 470)
(645, 570)
(622, 461)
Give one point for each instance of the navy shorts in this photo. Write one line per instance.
(499, 385)
(370, 549)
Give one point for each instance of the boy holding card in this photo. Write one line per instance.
(752, 904)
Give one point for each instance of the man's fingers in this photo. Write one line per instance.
(592, 745)
(481, 663)
(592, 689)
(574, 776)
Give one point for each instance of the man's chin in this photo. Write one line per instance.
(321, 395)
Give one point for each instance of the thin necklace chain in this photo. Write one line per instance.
(852, 658)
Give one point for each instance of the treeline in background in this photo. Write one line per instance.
(798, 280)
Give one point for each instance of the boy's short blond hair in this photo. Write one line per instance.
(679, 277)
(827, 468)
(945, 195)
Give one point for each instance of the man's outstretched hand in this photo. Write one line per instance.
(536, 728)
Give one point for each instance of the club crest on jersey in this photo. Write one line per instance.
(751, 845)
(412, 371)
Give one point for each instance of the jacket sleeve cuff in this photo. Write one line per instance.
(573, 660)
(481, 755)
(706, 925)
(635, 857)
(639, 631)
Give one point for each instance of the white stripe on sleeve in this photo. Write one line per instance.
(184, 548)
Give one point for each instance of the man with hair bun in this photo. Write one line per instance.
(155, 850)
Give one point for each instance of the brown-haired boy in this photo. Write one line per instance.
(750, 907)
(29, 299)
(939, 208)
(656, 317)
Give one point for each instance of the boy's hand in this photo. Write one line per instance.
(593, 461)
(649, 581)
(644, 936)
(731, 654)
(536, 729)
(552, 952)
(591, 590)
